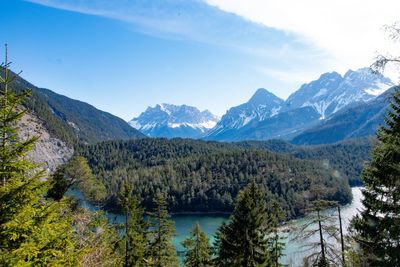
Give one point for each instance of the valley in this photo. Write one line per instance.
(294, 251)
(304, 173)
(202, 179)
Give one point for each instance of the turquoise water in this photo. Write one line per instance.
(294, 251)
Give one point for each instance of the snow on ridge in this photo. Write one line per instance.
(379, 88)
(246, 119)
(275, 111)
(321, 92)
(320, 107)
(148, 126)
(209, 124)
(165, 109)
(202, 125)
(135, 124)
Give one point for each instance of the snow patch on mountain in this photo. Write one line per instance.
(262, 105)
(167, 120)
(266, 116)
(332, 92)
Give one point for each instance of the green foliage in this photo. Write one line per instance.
(88, 124)
(377, 229)
(77, 174)
(38, 105)
(206, 176)
(345, 158)
(243, 242)
(198, 250)
(161, 251)
(136, 228)
(34, 231)
(276, 243)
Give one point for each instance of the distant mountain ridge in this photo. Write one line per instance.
(357, 121)
(332, 92)
(73, 121)
(308, 107)
(167, 120)
(262, 105)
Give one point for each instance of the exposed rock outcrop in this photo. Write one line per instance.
(50, 152)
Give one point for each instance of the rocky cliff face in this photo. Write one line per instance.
(50, 152)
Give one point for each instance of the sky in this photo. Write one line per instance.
(125, 55)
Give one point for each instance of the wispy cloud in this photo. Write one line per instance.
(191, 19)
(260, 29)
(285, 75)
(349, 30)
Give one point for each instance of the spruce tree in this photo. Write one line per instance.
(34, 231)
(243, 241)
(161, 251)
(275, 241)
(377, 228)
(198, 249)
(77, 174)
(136, 228)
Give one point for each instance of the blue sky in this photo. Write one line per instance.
(122, 56)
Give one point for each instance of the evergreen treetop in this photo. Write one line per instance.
(34, 231)
(161, 251)
(198, 249)
(377, 229)
(243, 241)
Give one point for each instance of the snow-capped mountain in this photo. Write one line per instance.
(270, 117)
(166, 120)
(262, 105)
(357, 121)
(332, 92)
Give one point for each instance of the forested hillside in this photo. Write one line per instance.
(206, 176)
(347, 157)
(71, 120)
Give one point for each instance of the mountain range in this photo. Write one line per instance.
(310, 106)
(357, 121)
(318, 106)
(166, 120)
(327, 110)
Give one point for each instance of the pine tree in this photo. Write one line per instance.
(161, 251)
(34, 231)
(243, 242)
(136, 228)
(77, 174)
(377, 229)
(275, 241)
(198, 249)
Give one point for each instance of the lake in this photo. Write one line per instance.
(294, 252)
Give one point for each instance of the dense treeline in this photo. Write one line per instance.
(206, 176)
(347, 157)
(40, 226)
(377, 228)
(36, 230)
